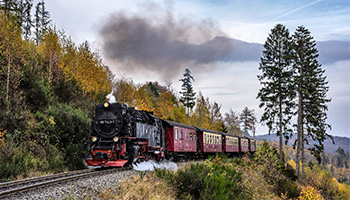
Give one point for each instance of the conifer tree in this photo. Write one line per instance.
(248, 119)
(231, 121)
(27, 22)
(202, 112)
(188, 95)
(8, 6)
(277, 93)
(42, 21)
(215, 116)
(20, 11)
(312, 99)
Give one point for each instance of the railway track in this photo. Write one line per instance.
(15, 187)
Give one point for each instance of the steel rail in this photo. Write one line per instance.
(41, 178)
(54, 179)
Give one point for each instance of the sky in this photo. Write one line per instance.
(219, 41)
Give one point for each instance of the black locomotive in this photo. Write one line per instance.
(122, 134)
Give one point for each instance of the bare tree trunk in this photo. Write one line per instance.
(254, 129)
(300, 140)
(281, 137)
(300, 127)
(50, 68)
(302, 153)
(8, 77)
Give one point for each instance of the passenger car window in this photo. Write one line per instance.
(181, 135)
(176, 134)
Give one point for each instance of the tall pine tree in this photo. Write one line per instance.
(248, 119)
(231, 121)
(277, 92)
(42, 21)
(188, 95)
(27, 22)
(312, 99)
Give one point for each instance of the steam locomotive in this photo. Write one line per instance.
(122, 135)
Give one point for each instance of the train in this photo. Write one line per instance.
(122, 135)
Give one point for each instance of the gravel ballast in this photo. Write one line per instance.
(81, 189)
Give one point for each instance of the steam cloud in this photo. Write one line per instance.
(166, 44)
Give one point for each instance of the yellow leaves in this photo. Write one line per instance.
(50, 49)
(143, 101)
(86, 68)
(343, 189)
(52, 121)
(2, 136)
(166, 106)
(310, 193)
(125, 91)
(292, 164)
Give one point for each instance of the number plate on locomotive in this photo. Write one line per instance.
(106, 122)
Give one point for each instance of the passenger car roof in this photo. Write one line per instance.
(171, 123)
(209, 131)
(226, 134)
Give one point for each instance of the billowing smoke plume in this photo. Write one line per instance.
(166, 44)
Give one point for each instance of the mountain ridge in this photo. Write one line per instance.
(329, 147)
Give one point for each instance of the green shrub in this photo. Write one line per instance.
(190, 181)
(223, 182)
(74, 155)
(19, 160)
(67, 129)
(280, 176)
(37, 94)
(212, 181)
(15, 161)
(54, 160)
(67, 125)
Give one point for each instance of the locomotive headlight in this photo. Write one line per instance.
(94, 139)
(106, 105)
(115, 139)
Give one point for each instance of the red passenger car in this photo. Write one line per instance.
(210, 141)
(179, 138)
(244, 142)
(252, 145)
(230, 143)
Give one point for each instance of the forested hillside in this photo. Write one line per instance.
(329, 146)
(337, 162)
(49, 86)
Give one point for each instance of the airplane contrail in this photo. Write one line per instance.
(297, 9)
